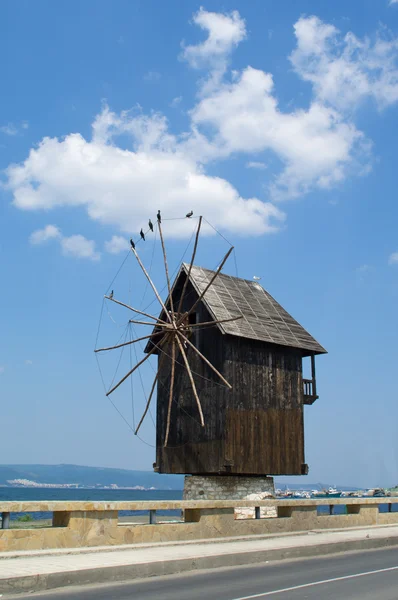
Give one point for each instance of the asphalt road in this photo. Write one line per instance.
(357, 576)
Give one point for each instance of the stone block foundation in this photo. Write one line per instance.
(232, 487)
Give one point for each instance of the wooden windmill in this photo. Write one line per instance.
(230, 390)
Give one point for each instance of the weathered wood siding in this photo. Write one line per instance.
(254, 429)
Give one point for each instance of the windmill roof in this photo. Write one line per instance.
(263, 318)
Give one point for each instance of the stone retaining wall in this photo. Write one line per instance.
(85, 524)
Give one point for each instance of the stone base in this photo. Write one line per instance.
(232, 487)
(228, 487)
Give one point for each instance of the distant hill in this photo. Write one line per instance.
(89, 476)
(105, 477)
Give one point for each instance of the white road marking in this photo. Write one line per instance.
(314, 583)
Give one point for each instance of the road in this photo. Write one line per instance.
(357, 576)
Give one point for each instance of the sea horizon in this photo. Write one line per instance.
(20, 494)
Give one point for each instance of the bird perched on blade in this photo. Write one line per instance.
(189, 215)
(159, 218)
(132, 244)
(111, 295)
(142, 234)
(150, 225)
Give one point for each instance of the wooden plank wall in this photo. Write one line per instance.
(254, 429)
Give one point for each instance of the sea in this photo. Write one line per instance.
(91, 495)
(112, 495)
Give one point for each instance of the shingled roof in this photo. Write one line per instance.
(264, 319)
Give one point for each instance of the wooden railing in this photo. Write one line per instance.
(308, 387)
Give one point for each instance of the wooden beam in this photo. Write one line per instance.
(214, 322)
(195, 393)
(313, 375)
(145, 337)
(162, 356)
(168, 326)
(162, 324)
(190, 266)
(132, 370)
(166, 268)
(206, 361)
(147, 403)
(135, 309)
(151, 284)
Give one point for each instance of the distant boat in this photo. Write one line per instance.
(283, 493)
(378, 493)
(298, 494)
(331, 492)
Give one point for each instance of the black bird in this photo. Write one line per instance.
(111, 295)
(132, 244)
(150, 224)
(189, 215)
(159, 218)
(142, 235)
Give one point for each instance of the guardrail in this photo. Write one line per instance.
(80, 524)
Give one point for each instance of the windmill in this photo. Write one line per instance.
(230, 390)
(171, 330)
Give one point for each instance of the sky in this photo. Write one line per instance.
(276, 121)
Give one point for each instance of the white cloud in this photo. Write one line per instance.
(152, 77)
(363, 272)
(75, 245)
(79, 247)
(176, 102)
(11, 129)
(364, 268)
(125, 187)
(393, 259)
(122, 184)
(317, 146)
(28, 361)
(40, 236)
(116, 244)
(224, 32)
(345, 70)
(393, 2)
(253, 164)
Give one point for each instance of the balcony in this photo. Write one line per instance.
(310, 394)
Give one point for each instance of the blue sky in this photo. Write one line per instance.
(277, 122)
